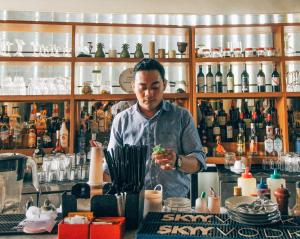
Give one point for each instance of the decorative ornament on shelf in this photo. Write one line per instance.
(139, 52)
(125, 53)
(100, 53)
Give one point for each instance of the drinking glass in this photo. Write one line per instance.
(229, 159)
(181, 47)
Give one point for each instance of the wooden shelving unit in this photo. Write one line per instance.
(189, 60)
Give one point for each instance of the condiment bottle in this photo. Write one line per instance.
(296, 208)
(201, 204)
(282, 197)
(274, 182)
(262, 190)
(247, 183)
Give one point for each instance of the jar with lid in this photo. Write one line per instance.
(260, 51)
(216, 53)
(226, 52)
(237, 52)
(199, 50)
(206, 53)
(271, 51)
(87, 88)
(177, 204)
(249, 52)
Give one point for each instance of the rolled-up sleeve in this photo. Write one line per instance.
(191, 144)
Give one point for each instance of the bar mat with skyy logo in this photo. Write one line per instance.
(195, 225)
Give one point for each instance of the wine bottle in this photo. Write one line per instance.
(216, 127)
(269, 126)
(219, 80)
(261, 80)
(275, 80)
(230, 80)
(222, 116)
(245, 80)
(210, 86)
(229, 131)
(200, 80)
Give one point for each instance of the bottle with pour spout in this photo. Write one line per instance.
(248, 183)
(274, 181)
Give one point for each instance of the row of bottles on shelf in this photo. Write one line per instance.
(210, 83)
(240, 126)
(40, 128)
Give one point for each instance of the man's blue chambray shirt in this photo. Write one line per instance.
(171, 127)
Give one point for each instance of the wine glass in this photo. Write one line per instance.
(181, 47)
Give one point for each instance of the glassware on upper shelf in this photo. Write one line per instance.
(182, 47)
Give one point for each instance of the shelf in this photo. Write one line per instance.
(37, 59)
(34, 98)
(126, 96)
(130, 60)
(254, 160)
(33, 27)
(292, 94)
(292, 58)
(238, 59)
(239, 95)
(28, 152)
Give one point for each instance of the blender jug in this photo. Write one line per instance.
(12, 168)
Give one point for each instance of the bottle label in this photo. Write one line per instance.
(222, 120)
(31, 140)
(218, 78)
(229, 132)
(240, 148)
(278, 145)
(269, 130)
(253, 146)
(209, 120)
(210, 84)
(248, 123)
(269, 147)
(230, 83)
(261, 81)
(200, 84)
(216, 131)
(245, 84)
(275, 81)
(4, 135)
(64, 140)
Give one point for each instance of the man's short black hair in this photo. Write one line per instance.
(148, 65)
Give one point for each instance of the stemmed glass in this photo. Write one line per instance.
(20, 43)
(181, 47)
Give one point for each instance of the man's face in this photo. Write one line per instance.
(148, 87)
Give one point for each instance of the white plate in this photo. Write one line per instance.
(125, 80)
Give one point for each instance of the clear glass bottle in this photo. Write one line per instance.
(277, 142)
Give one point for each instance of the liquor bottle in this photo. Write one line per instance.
(210, 86)
(247, 117)
(58, 148)
(219, 150)
(260, 122)
(209, 118)
(241, 143)
(261, 80)
(16, 127)
(273, 112)
(269, 126)
(39, 153)
(4, 130)
(229, 131)
(254, 120)
(203, 137)
(216, 127)
(55, 122)
(47, 142)
(277, 142)
(33, 111)
(32, 136)
(234, 118)
(253, 150)
(241, 122)
(269, 145)
(64, 136)
(200, 80)
(296, 208)
(275, 80)
(245, 80)
(222, 117)
(230, 80)
(219, 80)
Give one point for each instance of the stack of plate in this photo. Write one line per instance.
(252, 211)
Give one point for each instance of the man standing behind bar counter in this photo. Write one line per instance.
(153, 121)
